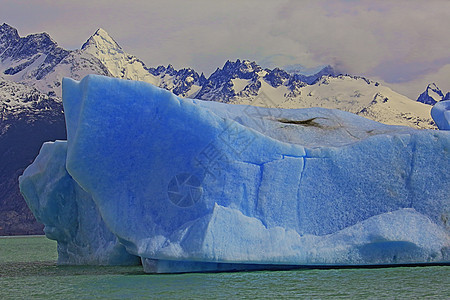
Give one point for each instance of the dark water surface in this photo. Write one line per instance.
(28, 270)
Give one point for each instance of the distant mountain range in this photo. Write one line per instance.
(32, 67)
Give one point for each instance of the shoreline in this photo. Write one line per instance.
(18, 236)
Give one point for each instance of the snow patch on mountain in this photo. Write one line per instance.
(21, 102)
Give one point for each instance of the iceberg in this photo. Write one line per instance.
(440, 113)
(190, 185)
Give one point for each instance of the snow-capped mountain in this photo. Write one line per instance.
(432, 95)
(30, 57)
(32, 67)
(355, 94)
(46, 63)
(245, 82)
(244, 79)
(37, 60)
(119, 63)
(21, 102)
(28, 117)
(184, 83)
(235, 77)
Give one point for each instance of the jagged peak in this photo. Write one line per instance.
(101, 39)
(431, 95)
(434, 87)
(243, 66)
(10, 32)
(6, 26)
(102, 32)
(6, 29)
(43, 36)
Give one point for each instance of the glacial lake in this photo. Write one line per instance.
(28, 270)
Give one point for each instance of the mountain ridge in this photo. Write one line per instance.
(239, 81)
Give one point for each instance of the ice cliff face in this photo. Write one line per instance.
(189, 185)
(441, 114)
(69, 214)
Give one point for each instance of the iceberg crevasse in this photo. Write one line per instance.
(190, 185)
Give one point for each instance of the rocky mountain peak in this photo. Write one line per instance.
(14, 47)
(28, 58)
(431, 95)
(7, 27)
(276, 77)
(170, 70)
(244, 69)
(8, 33)
(8, 37)
(433, 86)
(101, 40)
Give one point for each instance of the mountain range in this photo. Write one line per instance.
(32, 67)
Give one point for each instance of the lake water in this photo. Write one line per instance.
(28, 271)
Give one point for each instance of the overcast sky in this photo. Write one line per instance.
(405, 44)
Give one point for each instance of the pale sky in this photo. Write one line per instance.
(403, 43)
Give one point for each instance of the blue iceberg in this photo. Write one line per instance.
(190, 185)
(440, 113)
